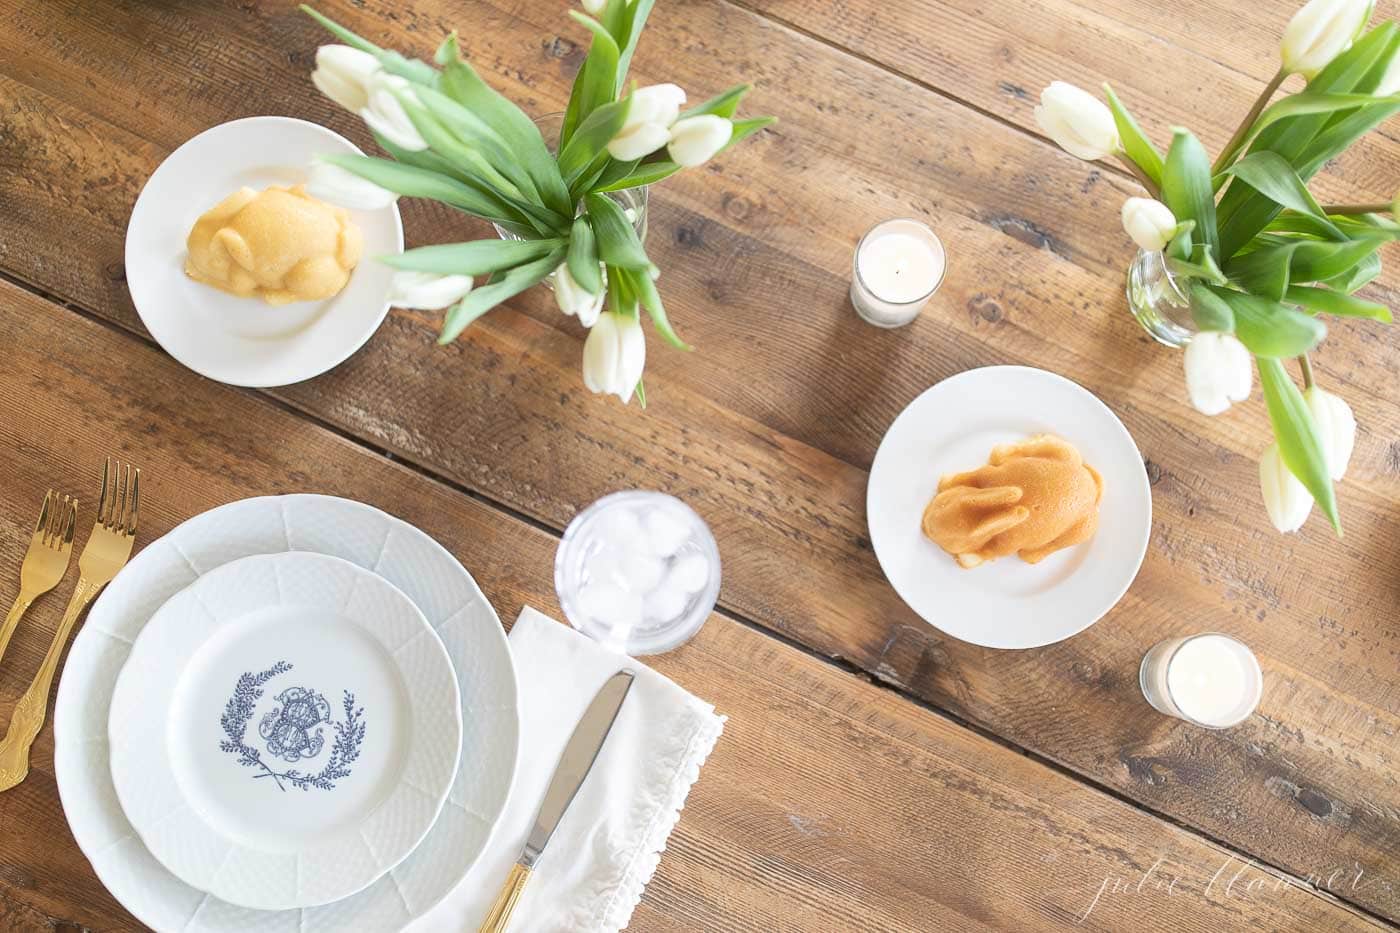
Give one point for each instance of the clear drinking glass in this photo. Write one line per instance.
(1157, 301)
(1210, 679)
(638, 572)
(633, 200)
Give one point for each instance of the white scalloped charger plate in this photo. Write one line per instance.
(1007, 603)
(400, 553)
(285, 731)
(243, 341)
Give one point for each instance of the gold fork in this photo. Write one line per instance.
(106, 552)
(44, 565)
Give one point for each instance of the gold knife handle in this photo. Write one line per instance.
(28, 717)
(12, 618)
(499, 917)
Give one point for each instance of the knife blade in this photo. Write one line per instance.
(576, 761)
(574, 764)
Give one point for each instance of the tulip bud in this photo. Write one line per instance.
(1319, 32)
(573, 299)
(336, 185)
(695, 140)
(614, 355)
(427, 291)
(343, 74)
(1218, 371)
(1077, 121)
(1286, 499)
(1336, 428)
(649, 118)
(385, 114)
(594, 7)
(1150, 223)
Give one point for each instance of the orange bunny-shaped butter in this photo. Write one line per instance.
(280, 244)
(1033, 498)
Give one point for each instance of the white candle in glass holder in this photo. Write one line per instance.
(1211, 680)
(898, 266)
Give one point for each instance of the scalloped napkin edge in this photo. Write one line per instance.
(610, 841)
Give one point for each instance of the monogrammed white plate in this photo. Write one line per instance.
(285, 731)
(244, 341)
(1006, 603)
(393, 549)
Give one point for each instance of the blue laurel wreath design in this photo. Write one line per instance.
(349, 735)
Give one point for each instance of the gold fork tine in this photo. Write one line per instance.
(68, 526)
(46, 561)
(41, 527)
(134, 514)
(102, 499)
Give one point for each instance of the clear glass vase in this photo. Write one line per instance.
(631, 200)
(1157, 301)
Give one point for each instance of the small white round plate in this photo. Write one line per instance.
(1006, 603)
(244, 341)
(285, 731)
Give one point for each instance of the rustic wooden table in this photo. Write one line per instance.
(875, 775)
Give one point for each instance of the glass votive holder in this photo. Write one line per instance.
(897, 267)
(1209, 680)
(637, 572)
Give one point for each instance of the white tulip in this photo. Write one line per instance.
(1218, 371)
(1320, 31)
(614, 355)
(1336, 427)
(336, 185)
(594, 7)
(573, 299)
(385, 114)
(1286, 499)
(695, 140)
(1077, 121)
(1149, 222)
(648, 123)
(344, 74)
(427, 291)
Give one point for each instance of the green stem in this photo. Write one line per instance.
(1306, 364)
(1139, 174)
(1354, 209)
(1232, 148)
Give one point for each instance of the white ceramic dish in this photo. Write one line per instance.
(242, 341)
(367, 537)
(1006, 603)
(285, 731)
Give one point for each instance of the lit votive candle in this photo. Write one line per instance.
(899, 264)
(1211, 680)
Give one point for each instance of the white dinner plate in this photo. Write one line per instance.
(285, 731)
(1006, 603)
(244, 341)
(400, 553)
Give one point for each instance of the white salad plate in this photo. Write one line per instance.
(392, 549)
(1007, 603)
(285, 730)
(244, 341)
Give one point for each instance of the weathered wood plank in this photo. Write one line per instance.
(830, 803)
(769, 429)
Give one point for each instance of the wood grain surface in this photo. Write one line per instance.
(907, 107)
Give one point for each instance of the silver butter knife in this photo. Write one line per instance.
(574, 764)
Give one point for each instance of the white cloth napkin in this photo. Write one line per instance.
(609, 842)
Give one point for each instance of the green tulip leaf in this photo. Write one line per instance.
(475, 257)
(617, 240)
(1135, 142)
(583, 256)
(1269, 328)
(597, 82)
(1209, 310)
(590, 140)
(639, 282)
(721, 105)
(1363, 273)
(1328, 301)
(1270, 174)
(1298, 438)
(483, 299)
(1186, 186)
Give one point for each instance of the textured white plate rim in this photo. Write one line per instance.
(157, 325)
(153, 889)
(1116, 431)
(152, 645)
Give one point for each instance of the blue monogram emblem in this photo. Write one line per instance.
(292, 731)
